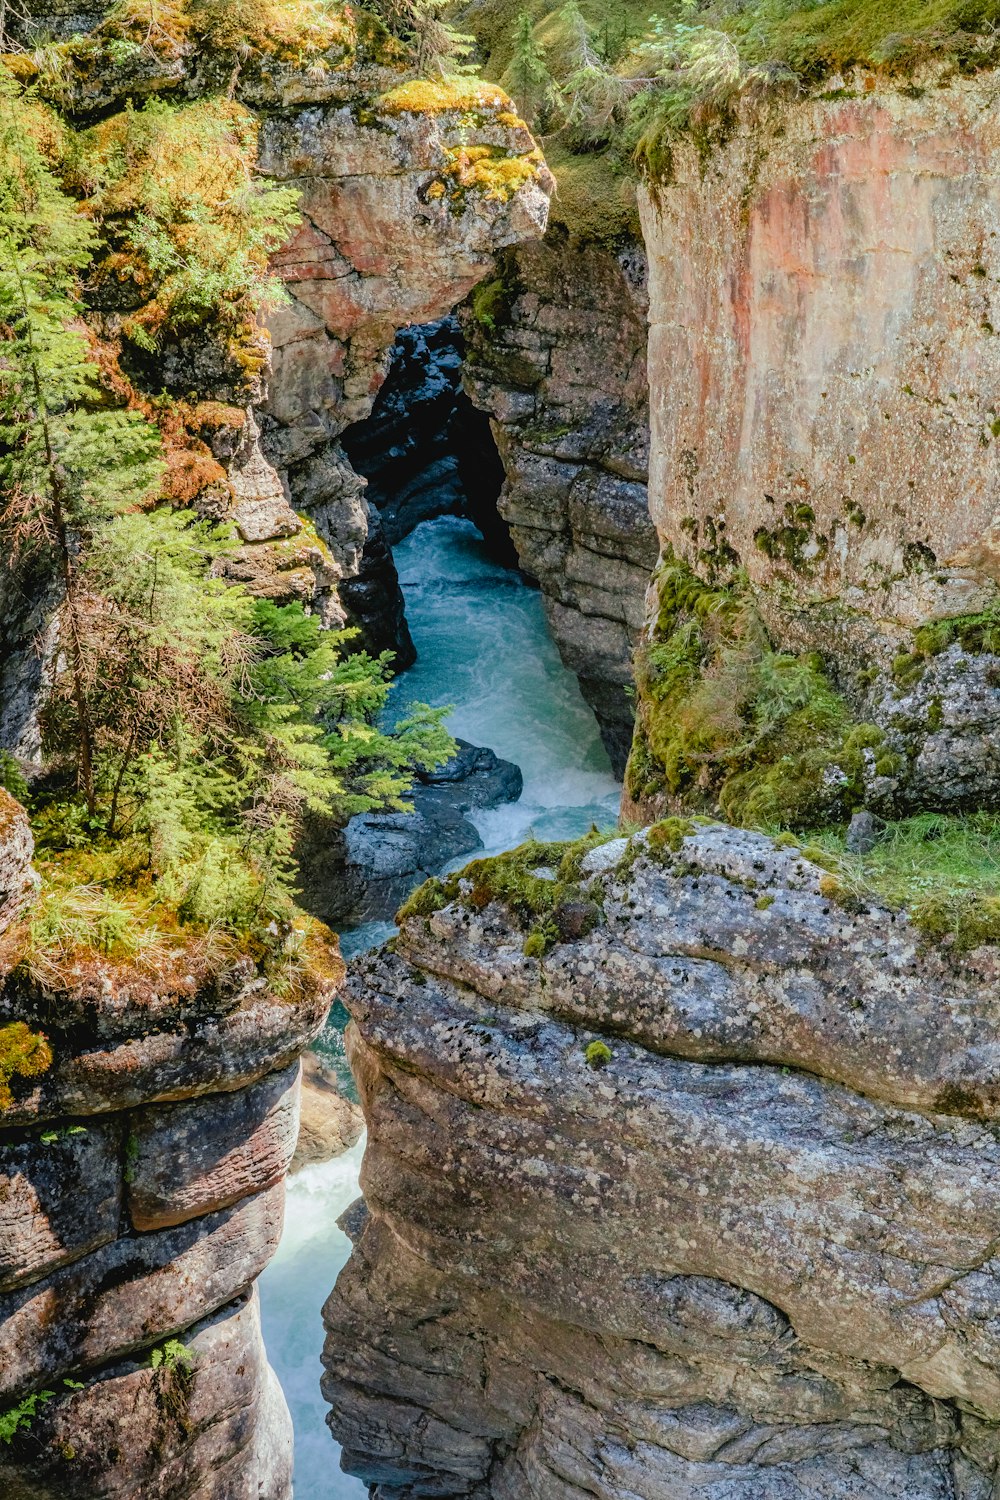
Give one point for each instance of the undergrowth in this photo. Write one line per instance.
(728, 724)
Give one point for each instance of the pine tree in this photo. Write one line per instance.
(527, 77)
(63, 458)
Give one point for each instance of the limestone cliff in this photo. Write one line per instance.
(557, 356)
(392, 234)
(146, 1130)
(823, 361)
(701, 1203)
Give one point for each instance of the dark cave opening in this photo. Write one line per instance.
(425, 451)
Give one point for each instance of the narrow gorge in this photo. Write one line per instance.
(499, 719)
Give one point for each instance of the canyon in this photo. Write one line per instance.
(681, 1173)
(659, 1183)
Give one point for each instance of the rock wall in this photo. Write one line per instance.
(141, 1194)
(557, 356)
(702, 1203)
(822, 351)
(822, 361)
(377, 250)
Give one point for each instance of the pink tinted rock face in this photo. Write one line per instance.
(823, 357)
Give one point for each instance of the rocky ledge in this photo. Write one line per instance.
(144, 1143)
(699, 1197)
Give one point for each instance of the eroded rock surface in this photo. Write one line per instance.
(377, 250)
(141, 1195)
(558, 359)
(329, 1124)
(745, 1245)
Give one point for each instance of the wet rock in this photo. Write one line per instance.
(373, 254)
(216, 1054)
(363, 872)
(330, 1124)
(823, 403)
(561, 369)
(17, 878)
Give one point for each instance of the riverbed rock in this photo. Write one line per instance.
(744, 1246)
(363, 873)
(329, 1123)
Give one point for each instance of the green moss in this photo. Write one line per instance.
(23, 1054)
(763, 903)
(538, 941)
(728, 723)
(795, 542)
(597, 1054)
(548, 907)
(668, 835)
(432, 896)
(489, 303)
(908, 668)
(595, 198)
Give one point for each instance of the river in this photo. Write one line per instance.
(483, 648)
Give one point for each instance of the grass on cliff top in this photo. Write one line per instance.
(814, 40)
(102, 911)
(944, 869)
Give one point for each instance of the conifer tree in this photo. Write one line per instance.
(527, 77)
(64, 458)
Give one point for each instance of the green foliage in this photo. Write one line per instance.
(526, 76)
(728, 723)
(23, 1054)
(944, 870)
(489, 303)
(172, 1355)
(19, 1418)
(12, 778)
(188, 727)
(186, 220)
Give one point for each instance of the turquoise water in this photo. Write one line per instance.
(483, 648)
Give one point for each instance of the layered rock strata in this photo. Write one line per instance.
(557, 356)
(703, 1203)
(823, 362)
(141, 1194)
